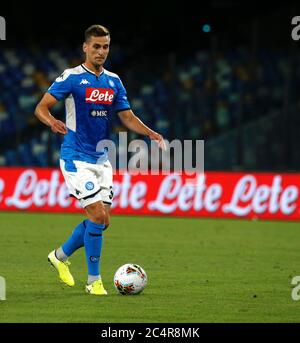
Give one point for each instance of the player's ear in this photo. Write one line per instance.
(84, 46)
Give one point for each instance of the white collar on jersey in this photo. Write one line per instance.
(90, 71)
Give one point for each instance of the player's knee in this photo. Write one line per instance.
(99, 217)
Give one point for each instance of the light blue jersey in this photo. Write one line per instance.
(90, 102)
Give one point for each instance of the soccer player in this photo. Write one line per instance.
(92, 96)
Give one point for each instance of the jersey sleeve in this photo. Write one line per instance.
(61, 87)
(121, 101)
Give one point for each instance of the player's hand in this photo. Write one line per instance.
(159, 139)
(58, 126)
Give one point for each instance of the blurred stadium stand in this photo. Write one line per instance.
(240, 98)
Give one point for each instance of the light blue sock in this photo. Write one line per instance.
(76, 240)
(93, 246)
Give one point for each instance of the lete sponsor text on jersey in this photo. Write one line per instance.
(103, 96)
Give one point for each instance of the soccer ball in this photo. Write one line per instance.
(130, 279)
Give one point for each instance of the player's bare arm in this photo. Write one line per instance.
(43, 114)
(132, 122)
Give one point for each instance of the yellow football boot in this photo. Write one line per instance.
(96, 288)
(62, 268)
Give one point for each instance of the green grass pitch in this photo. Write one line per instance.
(199, 270)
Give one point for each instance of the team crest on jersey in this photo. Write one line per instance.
(103, 96)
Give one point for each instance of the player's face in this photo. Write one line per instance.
(96, 50)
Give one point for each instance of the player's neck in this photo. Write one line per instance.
(92, 68)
